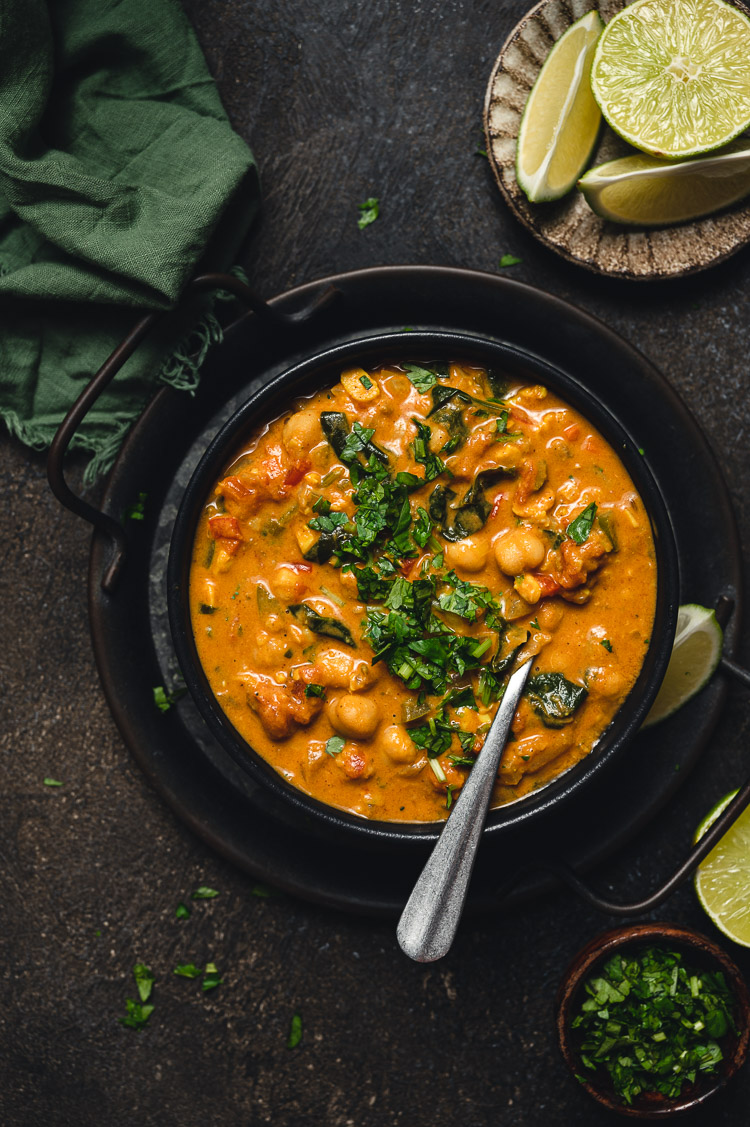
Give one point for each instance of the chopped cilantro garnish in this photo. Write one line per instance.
(366, 382)
(580, 528)
(422, 378)
(449, 795)
(607, 644)
(204, 893)
(48, 782)
(335, 745)
(652, 1022)
(182, 912)
(509, 260)
(312, 690)
(368, 212)
(295, 1032)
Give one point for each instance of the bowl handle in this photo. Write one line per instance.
(271, 317)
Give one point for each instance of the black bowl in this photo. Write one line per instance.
(324, 369)
(698, 951)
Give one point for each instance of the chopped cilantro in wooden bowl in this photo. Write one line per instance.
(653, 1019)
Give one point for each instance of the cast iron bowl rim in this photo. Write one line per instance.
(261, 406)
(634, 935)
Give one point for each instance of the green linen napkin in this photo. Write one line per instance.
(120, 176)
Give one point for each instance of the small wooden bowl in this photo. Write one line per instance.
(702, 953)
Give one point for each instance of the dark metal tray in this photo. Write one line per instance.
(130, 630)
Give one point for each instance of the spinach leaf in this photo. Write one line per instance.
(347, 445)
(472, 513)
(554, 698)
(580, 528)
(319, 624)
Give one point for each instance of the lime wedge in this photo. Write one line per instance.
(672, 76)
(722, 880)
(650, 192)
(695, 655)
(561, 120)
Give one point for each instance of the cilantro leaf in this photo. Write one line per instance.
(137, 1014)
(422, 378)
(295, 1032)
(182, 912)
(368, 212)
(509, 260)
(335, 745)
(204, 893)
(187, 970)
(580, 528)
(48, 782)
(144, 980)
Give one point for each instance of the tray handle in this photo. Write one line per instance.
(273, 318)
(567, 876)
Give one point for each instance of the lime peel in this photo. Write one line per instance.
(648, 192)
(696, 652)
(561, 120)
(722, 880)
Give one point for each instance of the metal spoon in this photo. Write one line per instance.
(429, 921)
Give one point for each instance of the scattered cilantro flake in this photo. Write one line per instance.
(368, 212)
(211, 978)
(607, 644)
(480, 152)
(449, 795)
(335, 745)
(366, 382)
(295, 1032)
(137, 1014)
(136, 510)
(48, 782)
(312, 690)
(204, 893)
(187, 970)
(144, 980)
(264, 891)
(535, 623)
(182, 912)
(164, 700)
(509, 260)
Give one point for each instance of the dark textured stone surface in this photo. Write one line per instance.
(339, 102)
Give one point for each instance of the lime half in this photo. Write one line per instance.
(672, 76)
(695, 655)
(561, 120)
(650, 192)
(722, 880)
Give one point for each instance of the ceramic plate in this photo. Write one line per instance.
(569, 226)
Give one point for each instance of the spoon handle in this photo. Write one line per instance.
(429, 921)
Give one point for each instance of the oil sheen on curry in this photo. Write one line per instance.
(374, 563)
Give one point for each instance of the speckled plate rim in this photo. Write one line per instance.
(568, 226)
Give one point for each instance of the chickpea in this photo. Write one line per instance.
(288, 584)
(301, 432)
(397, 745)
(354, 717)
(519, 550)
(468, 554)
(608, 683)
(338, 670)
(268, 652)
(549, 614)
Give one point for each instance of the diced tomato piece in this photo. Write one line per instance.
(229, 546)
(496, 507)
(236, 488)
(223, 526)
(297, 471)
(572, 432)
(548, 585)
(354, 763)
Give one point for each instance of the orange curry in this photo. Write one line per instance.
(374, 563)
